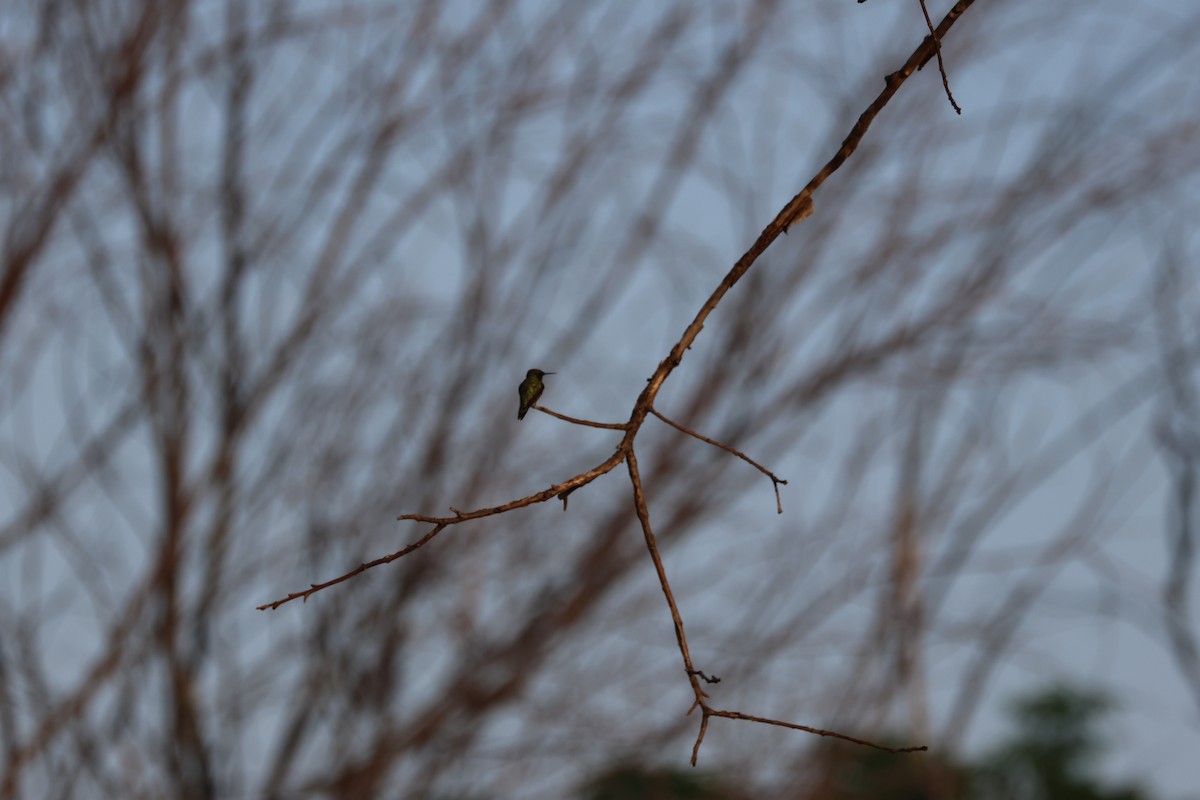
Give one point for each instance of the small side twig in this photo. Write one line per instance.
(361, 568)
(713, 712)
(937, 47)
(614, 426)
(775, 479)
(564, 495)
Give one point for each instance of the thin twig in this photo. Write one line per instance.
(643, 515)
(775, 479)
(706, 678)
(937, 47)
(615, 426)
(700, 736)
(711, 712)
(556, 490)
(361, 568)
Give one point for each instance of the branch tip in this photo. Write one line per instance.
(700, 674)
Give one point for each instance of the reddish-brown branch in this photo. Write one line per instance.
(558, 490)
(616, 426)
(712, 712)
(643, 515)
(798, 208)
(937, 47)
(775, 479)
(582, 479)
(361, 568)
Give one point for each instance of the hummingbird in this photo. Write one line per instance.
(530, 390)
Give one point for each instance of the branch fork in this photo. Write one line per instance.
(796, 210)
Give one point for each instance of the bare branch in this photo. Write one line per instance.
(799, 208)
(643, 515)
(937, 45)
(361, 568)
(616, 426)
(806, 729)
(560, 490)
(775, 479)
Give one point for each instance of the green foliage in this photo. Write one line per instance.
(851, 772)
(631, 782)
(1052, 752)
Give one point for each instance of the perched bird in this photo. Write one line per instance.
(530, 390)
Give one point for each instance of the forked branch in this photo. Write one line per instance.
(560, 490)
(775, 479)
(796, 210)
